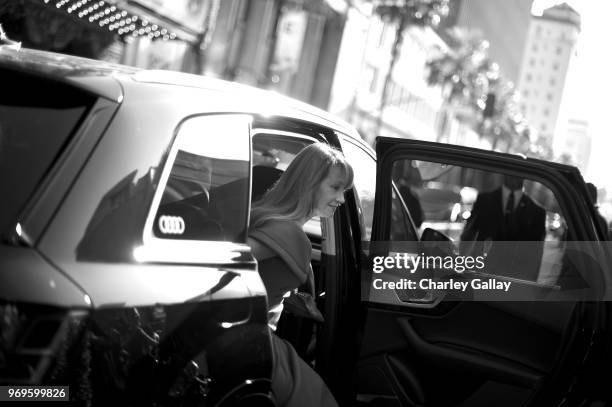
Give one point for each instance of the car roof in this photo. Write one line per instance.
(105, 79)
(94, 76)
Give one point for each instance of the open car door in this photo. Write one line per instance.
(498, 301)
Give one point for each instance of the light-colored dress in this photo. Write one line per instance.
(284, 256)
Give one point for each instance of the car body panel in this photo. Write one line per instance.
(35, 274)
(154, 120)
(94, 76)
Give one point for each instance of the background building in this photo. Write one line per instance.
(364, 58)
(289, 46)
(550, 47)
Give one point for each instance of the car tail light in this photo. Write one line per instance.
(35, 341)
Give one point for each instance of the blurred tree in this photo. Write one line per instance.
(405, 13)
(464, 70)
(466, 76)
(541, 149)
(565, 158)
(504, 123)
(475, 92)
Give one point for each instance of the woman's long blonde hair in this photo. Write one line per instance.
(292, 196)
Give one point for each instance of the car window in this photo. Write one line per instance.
(477, 208)
(28, 148)
(364, 181)
(272, 154)
(205, 196)
(401, 226)
(273, 151)
(277, 150)
(364, 167)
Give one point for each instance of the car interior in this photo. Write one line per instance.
(203, 191)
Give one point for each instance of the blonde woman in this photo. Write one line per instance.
(313, 185)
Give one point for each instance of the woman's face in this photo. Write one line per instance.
(330, 193)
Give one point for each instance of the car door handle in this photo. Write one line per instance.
(419, 296)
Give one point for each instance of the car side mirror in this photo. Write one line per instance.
(436, 243)
(432, 235)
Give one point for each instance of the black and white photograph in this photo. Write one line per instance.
(305, 203)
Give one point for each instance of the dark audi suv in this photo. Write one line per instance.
(124, 273)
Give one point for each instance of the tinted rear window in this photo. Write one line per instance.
(207, 193)
(37, 118)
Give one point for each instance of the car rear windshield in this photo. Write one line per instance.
(37, 118)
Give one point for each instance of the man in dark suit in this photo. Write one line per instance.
(507, 214)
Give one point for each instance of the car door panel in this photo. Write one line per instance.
(512, 340)
(452, 336)
(417, 352)
(479, 352)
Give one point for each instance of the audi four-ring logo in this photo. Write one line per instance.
(171, 225)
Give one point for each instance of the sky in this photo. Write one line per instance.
(588, 92)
